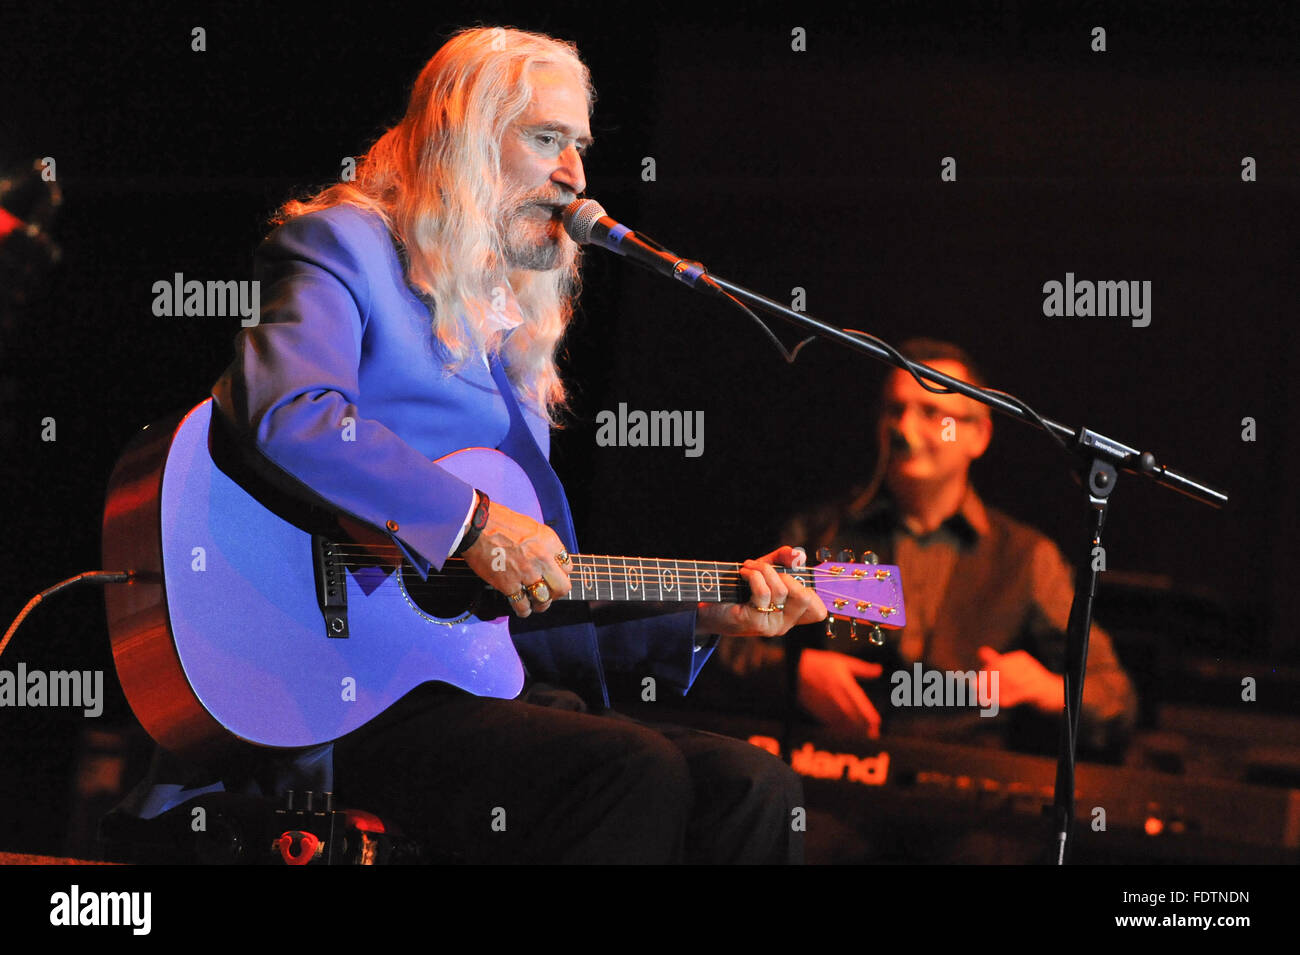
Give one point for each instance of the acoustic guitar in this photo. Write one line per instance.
(261, 617)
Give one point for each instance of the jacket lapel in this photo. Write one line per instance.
(559, 646)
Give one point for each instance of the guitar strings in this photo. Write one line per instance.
(591, 562)
(362, 550)
(611, 573)
(629, 572)
(607, 576)
(439, 583)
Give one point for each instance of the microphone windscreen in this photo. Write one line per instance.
(579, 216)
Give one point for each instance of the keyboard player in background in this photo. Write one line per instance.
(983, 591)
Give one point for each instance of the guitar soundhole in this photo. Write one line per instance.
(450, 596)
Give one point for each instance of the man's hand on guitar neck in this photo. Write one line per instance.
(777, 602)
(520, 558)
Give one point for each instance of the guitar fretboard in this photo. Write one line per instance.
(657, 580)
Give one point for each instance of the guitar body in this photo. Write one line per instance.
(224, 635)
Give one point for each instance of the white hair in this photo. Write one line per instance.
(435, 179)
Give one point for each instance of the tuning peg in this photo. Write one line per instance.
(853, 630)
(877, 637)
(830, 628)
(846, 556)
(823, 554)
(870, 557)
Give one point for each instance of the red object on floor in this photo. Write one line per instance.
(307, 846)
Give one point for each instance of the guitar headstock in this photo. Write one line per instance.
(871, 593)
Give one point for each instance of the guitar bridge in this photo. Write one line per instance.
(331, 586)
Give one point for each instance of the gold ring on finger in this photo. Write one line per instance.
(562, 558)
(539, 591)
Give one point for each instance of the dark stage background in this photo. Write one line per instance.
(816, 169)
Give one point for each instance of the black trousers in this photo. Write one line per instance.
(540, 779)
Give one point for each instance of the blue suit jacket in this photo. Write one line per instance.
(342, 335)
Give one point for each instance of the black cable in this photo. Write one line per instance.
(788, 355)
(91, 576)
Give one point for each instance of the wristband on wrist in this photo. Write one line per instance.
(477, 522)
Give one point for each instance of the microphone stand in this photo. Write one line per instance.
(1098, 461)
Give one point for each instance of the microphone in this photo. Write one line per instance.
(587, 224)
